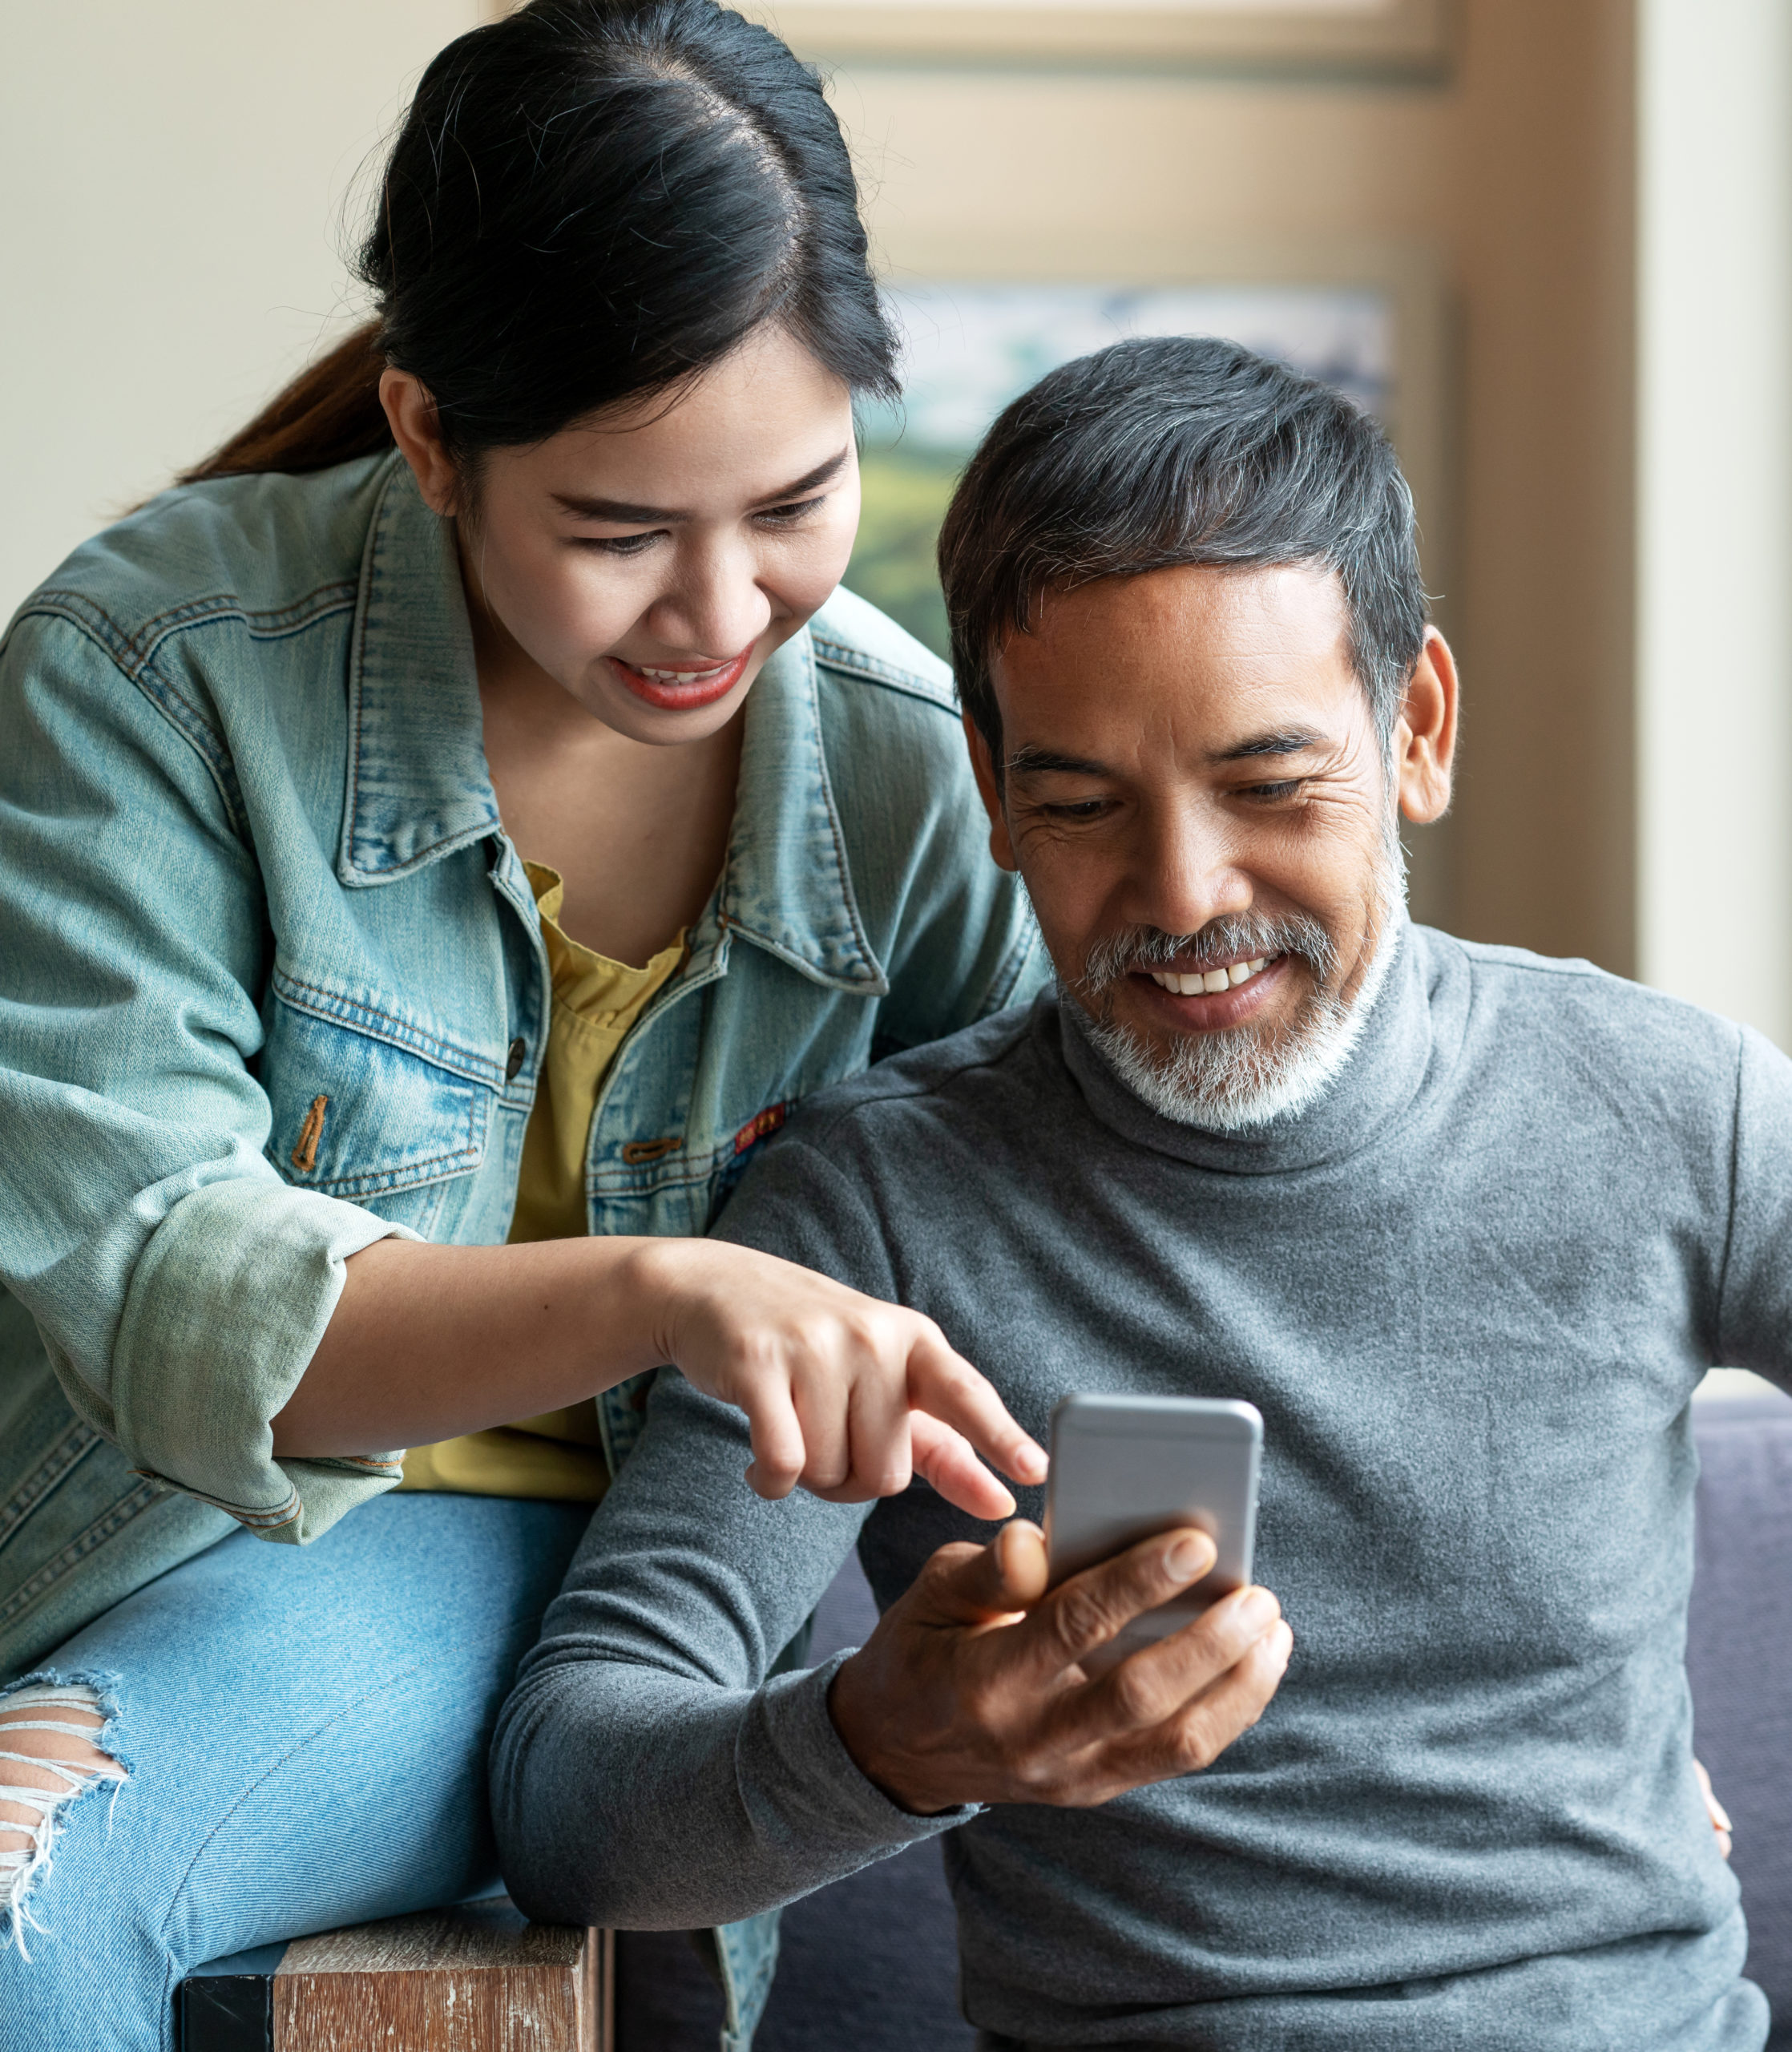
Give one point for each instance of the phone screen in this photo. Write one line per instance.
(1126, 1468)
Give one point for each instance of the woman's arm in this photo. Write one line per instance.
(179, 1284)
(844, 1394)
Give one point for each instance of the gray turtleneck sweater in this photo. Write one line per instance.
(1471, 1292)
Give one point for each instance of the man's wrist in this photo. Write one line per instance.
(852, 1708)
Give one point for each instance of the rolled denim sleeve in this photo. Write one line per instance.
(179, 1285)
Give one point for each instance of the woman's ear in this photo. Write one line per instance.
(1425, 737)
(411, 413)
(982, 765)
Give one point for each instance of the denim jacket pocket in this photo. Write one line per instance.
(368, 1104)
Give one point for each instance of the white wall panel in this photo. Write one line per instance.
(174, 180)
(1714, 585)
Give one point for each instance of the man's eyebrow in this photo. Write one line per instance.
(1295, 741)
(625, 513)
(1028, 761)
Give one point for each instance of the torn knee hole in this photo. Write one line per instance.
(49, 1754)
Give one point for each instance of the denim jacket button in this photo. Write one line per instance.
(513, 1061)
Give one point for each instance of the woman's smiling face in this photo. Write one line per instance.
(648, 559)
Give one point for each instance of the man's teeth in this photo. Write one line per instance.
(680, 677)
(1207, 979)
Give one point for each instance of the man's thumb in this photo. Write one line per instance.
(983, 1583)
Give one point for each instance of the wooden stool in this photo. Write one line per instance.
(477, 1977)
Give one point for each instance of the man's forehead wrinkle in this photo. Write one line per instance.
(1179, 674)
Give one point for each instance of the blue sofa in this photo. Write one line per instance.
(871, 1962)
(1739, 1654)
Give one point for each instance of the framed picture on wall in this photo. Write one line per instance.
(1372, 326)
(1375, 34)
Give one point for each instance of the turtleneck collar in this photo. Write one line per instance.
(1377, 1082)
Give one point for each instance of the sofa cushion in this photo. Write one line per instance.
(1739, 1656)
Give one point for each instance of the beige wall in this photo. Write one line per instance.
(1515, 172)
(173, 179)
(176, 178)
(1540, 136)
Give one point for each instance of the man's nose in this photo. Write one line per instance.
(714, 607)
(1188, 872)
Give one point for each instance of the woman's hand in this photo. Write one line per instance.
(1715, 1810)
(845, 1396)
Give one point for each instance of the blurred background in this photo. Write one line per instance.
(1548, 241)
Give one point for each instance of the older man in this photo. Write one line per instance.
(1466, 1226)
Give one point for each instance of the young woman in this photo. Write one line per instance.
(436, 843)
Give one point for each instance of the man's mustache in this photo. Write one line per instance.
(1228, 938)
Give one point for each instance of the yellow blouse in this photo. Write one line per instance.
(595, 1003)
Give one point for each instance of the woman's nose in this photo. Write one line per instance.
(714, 607)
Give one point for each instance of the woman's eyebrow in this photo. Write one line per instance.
(809, 479)
(625, 513)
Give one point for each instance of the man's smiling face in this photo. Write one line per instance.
(1195, 793)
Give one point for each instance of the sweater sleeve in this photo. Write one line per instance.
(1755, 1307)
(649, 1771)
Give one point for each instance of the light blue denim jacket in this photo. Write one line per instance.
(251, 863)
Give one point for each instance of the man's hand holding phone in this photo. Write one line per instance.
(972, 1689)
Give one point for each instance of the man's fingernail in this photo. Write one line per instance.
(1257, 1612)
(1187, 1558)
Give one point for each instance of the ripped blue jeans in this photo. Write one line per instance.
(303, 1732)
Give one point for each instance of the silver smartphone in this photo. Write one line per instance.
(1124, 1468)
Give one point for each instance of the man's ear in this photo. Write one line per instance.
(1425, 737)
(411, 414)
(982, 766)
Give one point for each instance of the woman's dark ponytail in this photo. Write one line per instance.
(589, 201)
(330, 413)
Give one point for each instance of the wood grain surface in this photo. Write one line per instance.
(478, 1977)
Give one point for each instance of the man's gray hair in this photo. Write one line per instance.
(1179, 450)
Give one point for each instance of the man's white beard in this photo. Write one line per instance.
(1245, 1076)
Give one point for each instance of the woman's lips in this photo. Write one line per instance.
(678, 689)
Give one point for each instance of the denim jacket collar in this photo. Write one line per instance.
(786, 886)
(418, 787)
